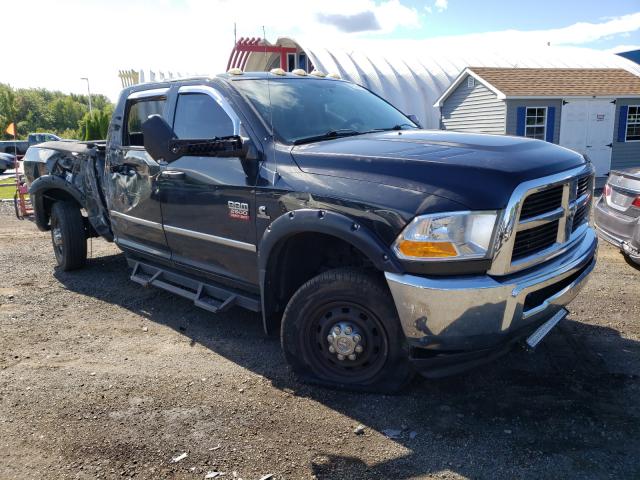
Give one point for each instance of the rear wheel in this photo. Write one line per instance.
(68, 236)
(341, 329)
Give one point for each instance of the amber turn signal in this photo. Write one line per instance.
(427, 249)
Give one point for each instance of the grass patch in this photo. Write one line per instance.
(7, 190)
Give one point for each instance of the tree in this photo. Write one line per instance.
(41, 110)
(94, 126)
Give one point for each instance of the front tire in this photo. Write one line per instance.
(68, 236)
(341, 329)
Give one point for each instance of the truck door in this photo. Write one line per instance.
(132, 195)
(208, 203)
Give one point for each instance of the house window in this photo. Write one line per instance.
(471, 82)
(633, 123)
(536, 123)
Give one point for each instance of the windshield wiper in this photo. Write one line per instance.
(342, 132)
(397, 127)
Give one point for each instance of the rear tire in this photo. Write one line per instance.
(68, 236)
(341, 329)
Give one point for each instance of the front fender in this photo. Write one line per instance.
(53, 187)
(325, 222)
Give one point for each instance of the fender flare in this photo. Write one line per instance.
(38, 192)
(325, 222)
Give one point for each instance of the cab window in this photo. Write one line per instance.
(137, 113)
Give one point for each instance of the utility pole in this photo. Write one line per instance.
(88, 91)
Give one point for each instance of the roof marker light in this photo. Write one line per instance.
(318, 73)
(277, 71)
(235, 71)
(335, 75)
(299, 71)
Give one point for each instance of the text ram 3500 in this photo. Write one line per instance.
(376, 249)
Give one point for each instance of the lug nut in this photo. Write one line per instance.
(340, 357)
(359, 349)
(331, 349)
(357, 338)
(337, 330)
(330, 338)
(352, 356)
(348, 330)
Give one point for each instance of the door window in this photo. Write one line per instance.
(137, 113)
(199, 116)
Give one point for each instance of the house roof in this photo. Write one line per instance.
(532, 82)
(412, 74)
(551, 82)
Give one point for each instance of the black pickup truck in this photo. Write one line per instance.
(375, 249)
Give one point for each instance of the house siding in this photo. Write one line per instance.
(624, 154)
(512, 114)
(475, 110)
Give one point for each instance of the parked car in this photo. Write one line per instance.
(7, 162)
(20, 146)
(373, 248)
(617, 212)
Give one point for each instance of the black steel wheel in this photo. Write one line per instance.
(341, 329)
(68, 236)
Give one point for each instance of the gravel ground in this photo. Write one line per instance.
(101, 378)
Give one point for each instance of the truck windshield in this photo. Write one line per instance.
(308, 110)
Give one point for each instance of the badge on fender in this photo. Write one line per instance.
(238, 210)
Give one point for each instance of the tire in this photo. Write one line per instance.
(346, 298)
(68, 236)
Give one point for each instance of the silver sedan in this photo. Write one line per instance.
(617, 213)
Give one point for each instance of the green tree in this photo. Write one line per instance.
(94, 126)
(41, 110)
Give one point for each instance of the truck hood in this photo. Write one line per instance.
(478, 171)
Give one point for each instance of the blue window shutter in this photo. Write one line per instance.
(551, 123)
(522, 113)
(622, 123)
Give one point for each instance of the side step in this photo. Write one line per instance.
(211, 297)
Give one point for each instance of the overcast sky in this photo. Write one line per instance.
(52, 44)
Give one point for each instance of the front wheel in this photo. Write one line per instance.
(341, 329)
(68, 236)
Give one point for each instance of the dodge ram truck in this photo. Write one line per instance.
(374, 248)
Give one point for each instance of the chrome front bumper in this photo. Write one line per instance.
(480, 312)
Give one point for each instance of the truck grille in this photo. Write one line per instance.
(542, 202)
(581, 216)
(584, 184)
(543, 220)
(534, 240)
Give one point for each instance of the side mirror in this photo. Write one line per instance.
(415, 120)
(157, 136)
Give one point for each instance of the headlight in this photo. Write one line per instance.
(447, 236)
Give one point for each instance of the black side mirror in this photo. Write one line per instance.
(157, 136)
(415, 120)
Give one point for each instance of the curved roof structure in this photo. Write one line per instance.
(413, 74)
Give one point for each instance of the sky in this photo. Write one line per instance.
(56, 43)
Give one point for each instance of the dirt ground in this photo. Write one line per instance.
(102, 378)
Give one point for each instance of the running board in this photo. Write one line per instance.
(211, 297)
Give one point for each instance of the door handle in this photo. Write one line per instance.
(172, 174)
